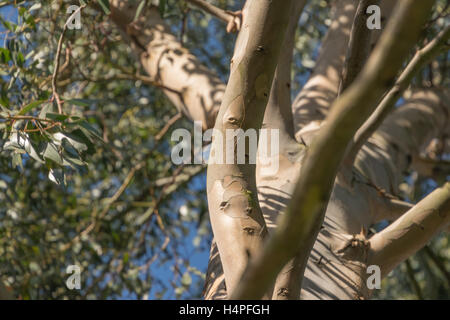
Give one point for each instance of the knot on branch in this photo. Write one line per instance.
(237, 200)
(283, 292)
(355, 248)
(235, 21)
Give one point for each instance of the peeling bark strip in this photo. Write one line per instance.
(236, 217)
(298, 228)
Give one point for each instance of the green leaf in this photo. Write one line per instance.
(186, 279)
(77, 141)
(5, 55)
(20, 142)
(20, 59)
(89, 130)
(44, 111)
(30, 107)
(69, 148)
(139, 9)
(105, 6)
(51, 152)
(17, 160)
(80, 102)
(56, 116)
(57, 176)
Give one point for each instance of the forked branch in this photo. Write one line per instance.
(298, 228)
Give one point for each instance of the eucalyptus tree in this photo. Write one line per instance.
(357, 92)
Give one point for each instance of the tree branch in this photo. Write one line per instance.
(298, 228)
(432, 168)
(438, 262)
(233, 19)
(193, 88)
(411, 231)
(237, 221)
(58, 55)
(313, 101)
(421, 58)
(278, 116)
(359, 45)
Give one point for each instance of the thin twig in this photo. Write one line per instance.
(233, 19)
(413, 280)
(438, 262)
(119, 192)
(58, 54)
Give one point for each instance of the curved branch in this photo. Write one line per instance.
(233, 19)
(359, 45)
(192, 87)
(411, 231)
(313, 101)
(421, 58)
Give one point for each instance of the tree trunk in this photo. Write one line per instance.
(364, 193)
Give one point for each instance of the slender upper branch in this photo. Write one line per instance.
(57, 58)
(423, 56)
(313, 101)
(359, 45)
(237, 221)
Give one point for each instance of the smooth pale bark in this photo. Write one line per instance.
(272, 186)
(336, 268)
(422, 57)
(434, 168)
(411, 231)
(359, 45)
(298, 228)
(194, 89)
(236, 218)
(312, 103)
(403, 135)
